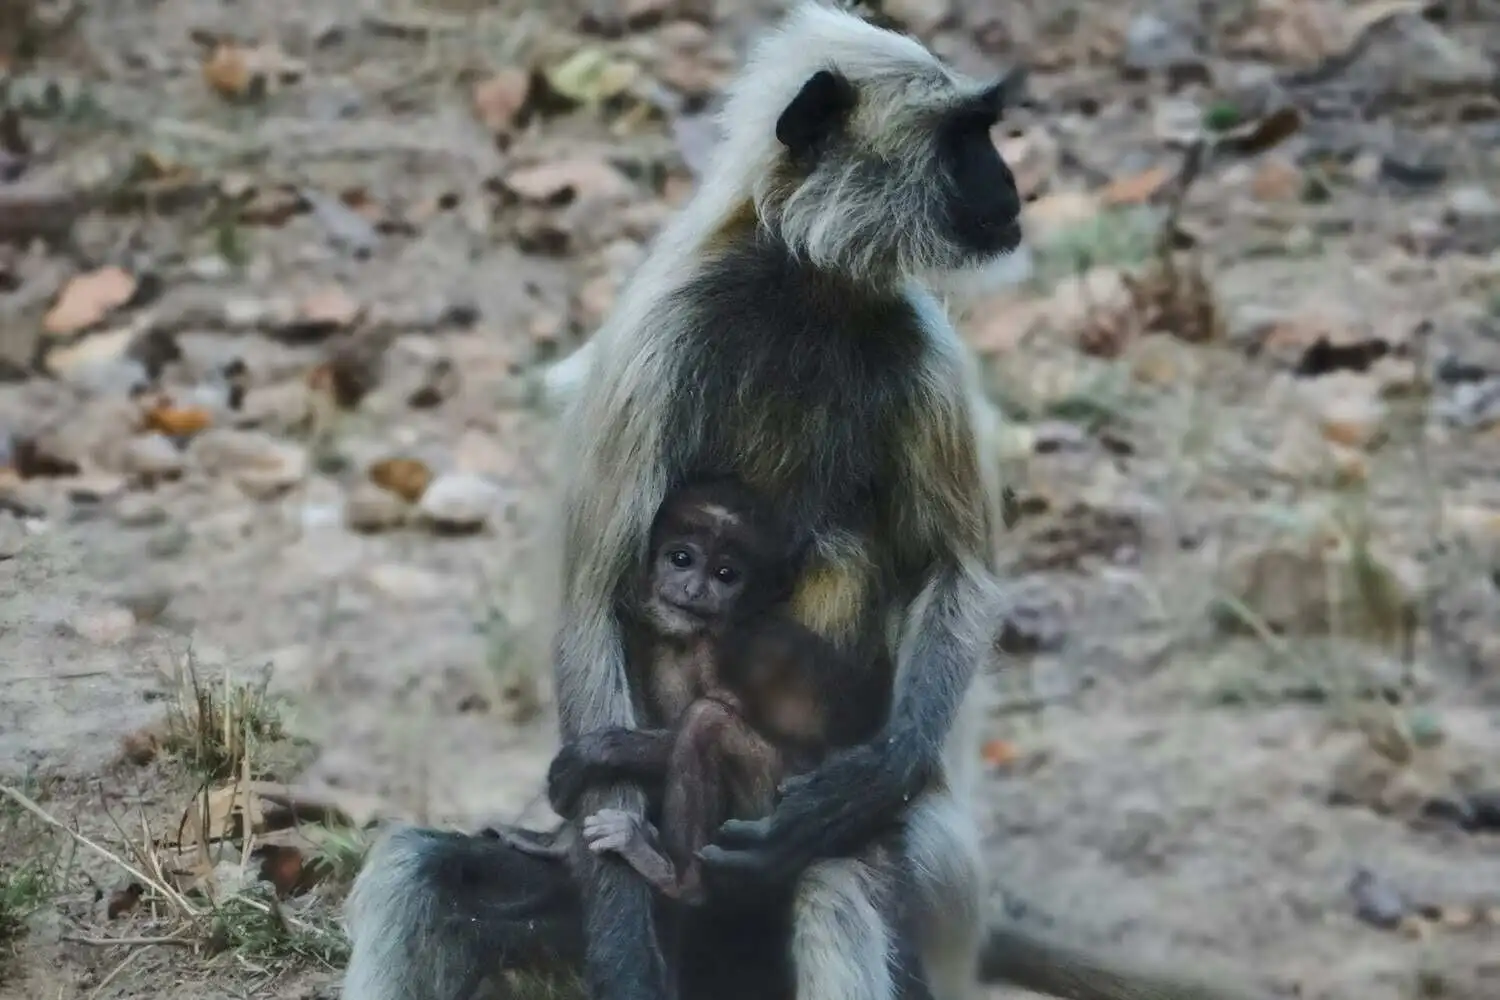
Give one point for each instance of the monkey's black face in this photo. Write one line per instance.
(983, 206)
(898, 173)
(695, 586)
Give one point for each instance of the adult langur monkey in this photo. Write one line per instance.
(783, 330)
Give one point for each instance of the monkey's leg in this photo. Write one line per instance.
(610, 831)
(623, 955)
(715, 749)
(437, 915)
(945, 895)
(841, 944)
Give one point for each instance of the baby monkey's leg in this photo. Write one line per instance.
(714, 755)
(613, 831)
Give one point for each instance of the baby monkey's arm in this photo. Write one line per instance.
(604, 756)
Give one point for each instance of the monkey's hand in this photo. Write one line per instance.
(829, 812)
(567, 780)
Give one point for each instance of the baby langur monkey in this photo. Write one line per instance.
(766, 696)
(770, 697)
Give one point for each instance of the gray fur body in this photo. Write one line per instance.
(782, 330)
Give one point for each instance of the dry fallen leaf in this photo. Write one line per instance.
(122, 901)
(177, 421)
(329, 309)
(1135, 189)
(592, 75)
(408, 478)
(1044, 218)
(999, 753)
(999, 325)
(227, 71)
(1276, 180)
(88, 299)
(285, 868)
(498, 100)
(232, 812)
(563, 181)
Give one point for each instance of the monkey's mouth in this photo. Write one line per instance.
(676, 619)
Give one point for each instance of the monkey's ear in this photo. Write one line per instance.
(820, 108)
(1008, 91)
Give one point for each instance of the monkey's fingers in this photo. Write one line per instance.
(752, 855)
(738, 834)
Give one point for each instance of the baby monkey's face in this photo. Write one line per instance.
(696, 583)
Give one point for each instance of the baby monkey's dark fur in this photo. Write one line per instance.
(769, 696)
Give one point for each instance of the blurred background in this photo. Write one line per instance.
(278, 280)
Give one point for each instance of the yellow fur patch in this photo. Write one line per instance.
(830, 597)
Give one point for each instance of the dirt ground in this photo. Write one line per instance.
(277, 280)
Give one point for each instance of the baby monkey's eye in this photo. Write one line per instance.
(728, 574)
(680, 558)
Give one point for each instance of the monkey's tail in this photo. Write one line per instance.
(1031, 961)
(438, 914)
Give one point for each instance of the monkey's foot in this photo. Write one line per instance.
(615, 831)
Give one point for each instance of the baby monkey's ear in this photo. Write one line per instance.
(816, 114)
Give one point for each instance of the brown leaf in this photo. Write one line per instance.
(563, 181)
(227, 71)
(232, 812)
(122, 901)
(142, 746)
(33, 460)
(1137, 188)
(1276, 180)
(88, 299)
(408, 478)
(999, 326)
(329, 309)
(177, 421)
(285, 868)
(1050, 214)
(498, 100)
(999, 753)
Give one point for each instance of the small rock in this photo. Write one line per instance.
(407, 584)
(109, 627)
(152, 457)
(260, 465)
(458, 502)
(12, 537)
(138, 510)
(95, 488)
(1472, 202)
(283, 408)
(1376, 901)
(371, 509)
(147, 604)
(1155, 44)
(169, 542)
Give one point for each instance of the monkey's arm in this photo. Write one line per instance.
(941, 525)
(622, 959)
(835, 809)
(605, 756)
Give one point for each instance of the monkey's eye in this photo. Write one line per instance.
(727, 574)
(680, 558)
